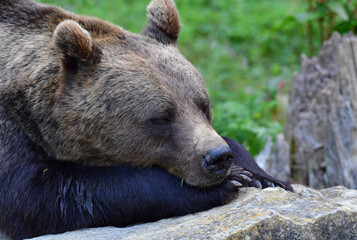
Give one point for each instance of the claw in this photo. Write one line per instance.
(245, 177)
(257, 184)
(237, 169)
(236, 183)
(270, 184)
(246, 173)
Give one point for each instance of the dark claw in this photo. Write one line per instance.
(236, 183)
(257, 184)
(246, 173)
(245, 177)
(240, 175)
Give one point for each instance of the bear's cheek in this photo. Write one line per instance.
(146, 146)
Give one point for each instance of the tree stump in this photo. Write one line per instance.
(274, 158)
(321, 119)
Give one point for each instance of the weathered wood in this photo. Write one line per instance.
(321, 120)
(274, 158)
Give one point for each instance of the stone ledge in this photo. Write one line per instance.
(271, 213)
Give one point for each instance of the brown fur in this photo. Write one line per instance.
(71, 40)
(89, 92)
(163, 21)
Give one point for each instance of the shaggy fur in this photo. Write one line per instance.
(99, 125)
(79, 87)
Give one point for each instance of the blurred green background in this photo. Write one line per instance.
(246, 50)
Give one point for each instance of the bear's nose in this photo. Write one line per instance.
(218, 160)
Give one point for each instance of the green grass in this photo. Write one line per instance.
(234, 46)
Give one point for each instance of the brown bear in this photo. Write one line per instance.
(100, 126)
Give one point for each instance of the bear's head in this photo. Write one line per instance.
(133, 99)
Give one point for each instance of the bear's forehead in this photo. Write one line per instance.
(157, 64)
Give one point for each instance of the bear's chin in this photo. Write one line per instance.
(205, 180)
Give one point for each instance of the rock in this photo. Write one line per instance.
(274, 158)
(2, 237)
(320, 127)
(271, 213)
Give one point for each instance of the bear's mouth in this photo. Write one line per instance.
(214, 179)
(218, 170)
(204, 178)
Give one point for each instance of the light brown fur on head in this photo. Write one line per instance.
(90, 92)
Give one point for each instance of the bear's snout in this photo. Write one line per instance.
(218, 161)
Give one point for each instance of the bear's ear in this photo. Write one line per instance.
(72, 41)
(163, 21)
